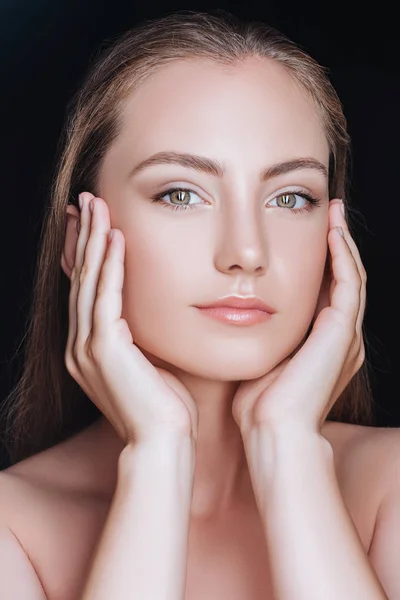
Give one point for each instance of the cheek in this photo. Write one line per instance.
(159, 283)
(151, 279)
(304, 279)
(164, 275)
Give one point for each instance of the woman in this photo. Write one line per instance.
(163, 449)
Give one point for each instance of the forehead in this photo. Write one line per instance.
(252, 109)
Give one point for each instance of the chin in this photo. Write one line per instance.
(225, 362)
(243, 371)
(217, 369)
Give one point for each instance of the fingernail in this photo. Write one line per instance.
(91, 206)
(342, 207)
(80, 199)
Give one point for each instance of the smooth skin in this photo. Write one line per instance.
(100, 354)
(239, 239)
(301, 391)
(333, 352)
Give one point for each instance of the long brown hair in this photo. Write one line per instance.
(47, 405)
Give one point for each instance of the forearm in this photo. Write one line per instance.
(314, 548)
(142, 552)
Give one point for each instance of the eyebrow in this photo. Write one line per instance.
(217, 169)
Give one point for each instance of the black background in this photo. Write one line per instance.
(46, 46)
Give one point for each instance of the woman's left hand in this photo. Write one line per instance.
(302, 389)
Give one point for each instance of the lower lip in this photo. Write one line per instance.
(236, 316)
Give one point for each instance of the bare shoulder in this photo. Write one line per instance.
(375, 462)
(76, 473)
(54, 502)
(55, 515)
(77, 465)
(379, 454)
(373, 447)
(82, 465)
(45, 494)
(364, 453)
(65, 479)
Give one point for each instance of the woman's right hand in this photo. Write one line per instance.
(141, 402)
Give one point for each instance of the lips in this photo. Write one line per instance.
(253, 303)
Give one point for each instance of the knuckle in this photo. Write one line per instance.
(101, 285)
(80, 350)
(94, 349)
(79, 353)
(83, 273)
(74, 272)
(70, 364)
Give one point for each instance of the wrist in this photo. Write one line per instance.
(268, 447)
(284, 434)
(164, 451)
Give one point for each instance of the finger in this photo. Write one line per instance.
(107, 308)
(363, 275)
(73, 316)
(345, 298)
(347, 290)
(98, 227)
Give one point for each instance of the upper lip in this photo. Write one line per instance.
(250, 302)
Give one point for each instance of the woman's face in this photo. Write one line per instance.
(238, 238)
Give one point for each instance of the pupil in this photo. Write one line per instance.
(180, 196)
(287, 198)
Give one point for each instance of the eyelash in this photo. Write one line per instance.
(312, 202)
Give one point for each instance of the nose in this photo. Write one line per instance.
(241, 242)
